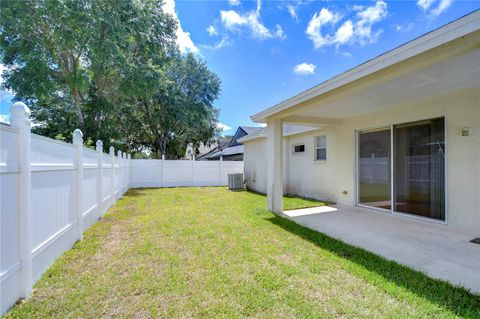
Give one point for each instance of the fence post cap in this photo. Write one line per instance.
(119, 153)
(112, 150)
(129, 156)
(77, 137)
(99, 145)
(20, 109)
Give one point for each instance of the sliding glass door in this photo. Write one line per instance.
(419, 150)
(374, 176)
(418, 177)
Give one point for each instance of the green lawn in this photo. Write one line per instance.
(211, 253)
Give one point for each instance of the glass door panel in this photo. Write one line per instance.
(420, 168)
(374, 173)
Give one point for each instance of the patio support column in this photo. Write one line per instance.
(274, 165)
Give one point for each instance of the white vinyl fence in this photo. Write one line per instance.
(52, 191)
(168, 173)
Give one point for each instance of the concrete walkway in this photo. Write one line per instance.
(422, 245)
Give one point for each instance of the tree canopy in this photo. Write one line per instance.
(110, 68)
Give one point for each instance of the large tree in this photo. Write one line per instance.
(110, 68)
(174, 109)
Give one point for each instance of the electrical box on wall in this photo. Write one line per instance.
(466, 131)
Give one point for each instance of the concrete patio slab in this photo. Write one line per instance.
(420, 244)
(310, 211)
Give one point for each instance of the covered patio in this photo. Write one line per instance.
(439, 252)
(422, 79)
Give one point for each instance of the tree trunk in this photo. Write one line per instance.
(78, 109)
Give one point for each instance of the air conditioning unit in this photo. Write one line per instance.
(235, 181)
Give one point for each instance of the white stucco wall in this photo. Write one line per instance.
(328, 179)
(255, 165)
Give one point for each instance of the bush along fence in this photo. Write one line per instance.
(52, 191)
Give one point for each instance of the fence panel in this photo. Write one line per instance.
(9, 218)
(51, 192)
(230, 167)
(179, 173)
(146, 173)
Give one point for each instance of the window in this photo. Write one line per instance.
(299, 149)
(320, 148)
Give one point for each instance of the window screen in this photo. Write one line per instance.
(320, 148)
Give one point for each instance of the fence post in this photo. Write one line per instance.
(220, 164)
(193, 169)
(129, 175)
(99, 150)
(124, 172)
(119, 160)
(163, 170)
(20, 120)
(78, 142)
(112, 182)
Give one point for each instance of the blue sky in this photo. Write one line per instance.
(267, 51)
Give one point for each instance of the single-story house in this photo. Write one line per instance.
(399, 134)
(234, 149)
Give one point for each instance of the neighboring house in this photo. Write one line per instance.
(399, 134)
(205, 150)
(234, 149)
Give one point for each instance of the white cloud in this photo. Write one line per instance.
(223, 127)
(357, 29)
(4, 118)
(344, 33)
(212, 31)
(293, 7)
(184, 41)
(293, 11)
(225, 41)
(324, 17)
(279, 32)
(234, 2)
(443, 5)
(405, 27)
(234, 21)
(427, 6)
(304, 68)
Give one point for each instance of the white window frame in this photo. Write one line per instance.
(315, 141)
(298, 153)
